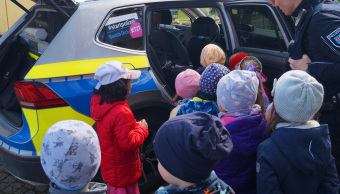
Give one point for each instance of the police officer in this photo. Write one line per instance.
(316, 49)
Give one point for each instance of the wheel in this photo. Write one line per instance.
(150, 178)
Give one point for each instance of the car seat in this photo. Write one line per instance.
(166, 49)
(205, 30)
(166, 44)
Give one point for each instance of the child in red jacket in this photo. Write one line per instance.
(120, 136)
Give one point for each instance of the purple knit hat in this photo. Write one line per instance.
(210, 77)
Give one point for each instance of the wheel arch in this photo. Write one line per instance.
(149, 101)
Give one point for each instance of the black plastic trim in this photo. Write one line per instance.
(24, 167)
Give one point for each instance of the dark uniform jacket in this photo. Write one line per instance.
(321, 42)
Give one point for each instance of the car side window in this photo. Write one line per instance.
(124, 28)
(180, 18)
(256, 27)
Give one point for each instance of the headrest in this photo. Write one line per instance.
(162, 17)
(204, 26)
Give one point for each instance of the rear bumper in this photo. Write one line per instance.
(24, 167)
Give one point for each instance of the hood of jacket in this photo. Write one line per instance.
(305, 4)
(99, 111)
(247, 133)
(212, 185)
(306, 149)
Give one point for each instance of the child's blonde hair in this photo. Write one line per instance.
(212, 53)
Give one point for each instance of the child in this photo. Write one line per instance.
(297, 157)
(236, 94)
(187, 84)
(70, 157)
(235, 59)
(211, 53)
(205, 99)
(248, 63)
(261, 98)
(188, 147)
(120, 136)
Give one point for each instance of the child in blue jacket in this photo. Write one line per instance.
(205, 98)
(297, 157)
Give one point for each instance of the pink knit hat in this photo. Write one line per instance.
(187, 83)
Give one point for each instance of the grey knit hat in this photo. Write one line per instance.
(297, 96)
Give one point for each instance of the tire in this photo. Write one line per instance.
(150, 179)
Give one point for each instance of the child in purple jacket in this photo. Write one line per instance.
(236, 95)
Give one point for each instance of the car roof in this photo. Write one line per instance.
(134, 2)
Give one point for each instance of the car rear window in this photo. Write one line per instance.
(124, 28)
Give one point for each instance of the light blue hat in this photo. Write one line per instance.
(237, 90)
(297, 96)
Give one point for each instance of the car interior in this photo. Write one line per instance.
(176, 38)
(20, 52)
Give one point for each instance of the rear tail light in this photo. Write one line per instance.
(36, 95)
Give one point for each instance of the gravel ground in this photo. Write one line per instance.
(12, 185)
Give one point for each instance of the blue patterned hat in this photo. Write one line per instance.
(210, 77)
(70, 154)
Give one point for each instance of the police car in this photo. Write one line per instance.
(49, 56)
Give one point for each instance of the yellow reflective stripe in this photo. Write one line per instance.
(32, 120)
(33, 56)
(48, 117)
(81, 67)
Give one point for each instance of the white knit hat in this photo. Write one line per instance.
(297, 96)
(70, 154)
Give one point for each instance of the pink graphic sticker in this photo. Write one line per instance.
(136, 30)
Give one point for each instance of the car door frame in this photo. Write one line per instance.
(269, 58)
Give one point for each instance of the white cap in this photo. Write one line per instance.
(112, 71)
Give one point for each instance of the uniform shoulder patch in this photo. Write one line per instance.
(334, 37)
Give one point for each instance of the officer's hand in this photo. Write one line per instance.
(301, 64)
